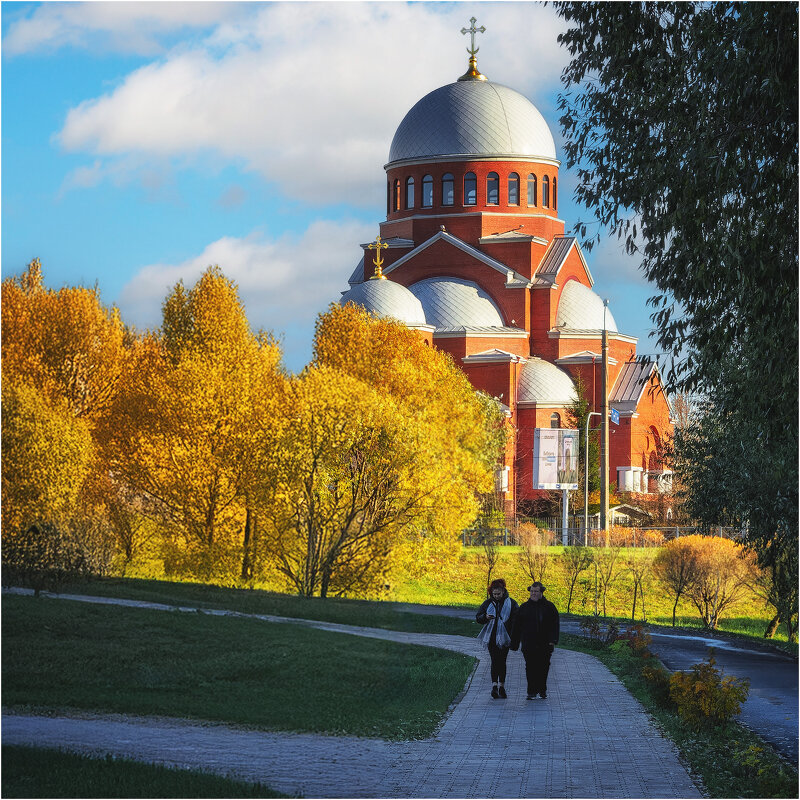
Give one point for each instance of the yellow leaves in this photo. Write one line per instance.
(453, 425)
(65, 342)
(47, 454)
(188, 425)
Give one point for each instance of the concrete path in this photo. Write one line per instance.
(772, 705)
(589, 739)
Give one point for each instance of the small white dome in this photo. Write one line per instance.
(581, 309)
(473, 118)
(456, 303)
(543, 382)
(386, 299)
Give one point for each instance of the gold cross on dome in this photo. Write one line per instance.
(378, 261)
(472, 31)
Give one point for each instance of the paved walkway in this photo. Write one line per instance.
(589, 739)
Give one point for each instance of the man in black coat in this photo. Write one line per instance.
(536, 629)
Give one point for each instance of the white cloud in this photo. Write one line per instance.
(284, 283)
(309, 94)
(127, 27)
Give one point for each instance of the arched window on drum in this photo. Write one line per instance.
(470, 189)
(448, 184)
(546, 191)
(513, 189)
(492, 189)
(532, 200)
(409, 193)
(427, 191)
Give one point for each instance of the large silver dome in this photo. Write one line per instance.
(473, 118)
(386, 299)
(456, 303)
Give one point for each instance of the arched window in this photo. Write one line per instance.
(388, 196)
(396, 199)
(513, 189)
(493, 189)
(427, 191)
(531, 190)
(409, 193)
(555, 194)
(546, 191)
(447, 189)
(470, 189)
(555, 420)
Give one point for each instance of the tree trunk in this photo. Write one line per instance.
(633, 611)
(249, 542)
(674, 609)
(769, 633)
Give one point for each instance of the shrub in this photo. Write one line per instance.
(638, 639)
(704, 698)
(594, 630)
(658, 678)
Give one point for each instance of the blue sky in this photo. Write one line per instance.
(143, 141)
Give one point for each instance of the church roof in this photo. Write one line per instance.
(554, 258)
(456, 303)
(386, 299)
(473, 118)
(635, 378)
(544, 383)
(579, 308)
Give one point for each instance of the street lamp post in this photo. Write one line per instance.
(586, 478)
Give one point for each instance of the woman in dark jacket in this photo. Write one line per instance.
(496, 614)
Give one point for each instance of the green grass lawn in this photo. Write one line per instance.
(365, 613)
(60, 654)
(44, 772)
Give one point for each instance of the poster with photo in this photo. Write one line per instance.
(555, 458)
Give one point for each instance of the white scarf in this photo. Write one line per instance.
(502, 639)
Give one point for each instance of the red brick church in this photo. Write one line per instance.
(476, 259)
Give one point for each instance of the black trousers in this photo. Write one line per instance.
(499, 656)
(537, 665)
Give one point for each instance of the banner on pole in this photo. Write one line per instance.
(555, 458)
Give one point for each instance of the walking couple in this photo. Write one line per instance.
(534, 625)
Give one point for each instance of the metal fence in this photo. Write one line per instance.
(550, 532)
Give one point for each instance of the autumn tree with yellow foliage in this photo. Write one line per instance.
(63, 354)
(385, 442)
(65, 343)
(190, 426)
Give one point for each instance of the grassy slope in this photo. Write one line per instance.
(59, 654)
(365, 613)
(461, 581)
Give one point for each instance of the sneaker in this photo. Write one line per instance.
(531, 697)
(495, 693)
(502, 691)
(543, 695)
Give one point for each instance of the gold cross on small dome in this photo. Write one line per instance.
(378, 261)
